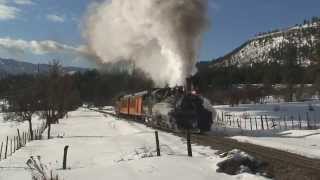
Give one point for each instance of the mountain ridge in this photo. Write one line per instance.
(265, 46)
(14, 67)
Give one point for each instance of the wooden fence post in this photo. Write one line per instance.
(315, 121)
(245, 123)
(17, 145)
(157, 143)
(308, 120)
(5, 154)
(189, 143)
(273, 124)
(285, 121)
(1, 150)
(19, 139)
(14, 144)
(262, 126)
(11, 147)
(255, 118)
(23, 139)
(222, 117)
(266, 119)
(299, 116)
(65, 154)
(233, 121)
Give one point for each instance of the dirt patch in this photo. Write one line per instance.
(238, 162)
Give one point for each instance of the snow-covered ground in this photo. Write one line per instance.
(275, 116)
(107, 148)
(9, 128)
(303, 142)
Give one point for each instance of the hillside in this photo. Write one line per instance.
(270, 47)
(14, 67)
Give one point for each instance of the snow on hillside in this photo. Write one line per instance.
(108, 148)
(258, 49)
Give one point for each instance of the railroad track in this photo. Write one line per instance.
(281, 164)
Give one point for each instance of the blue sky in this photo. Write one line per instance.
(41, 28)
(235, 21)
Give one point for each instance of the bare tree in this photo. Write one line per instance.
(58, 95)
(23, 101)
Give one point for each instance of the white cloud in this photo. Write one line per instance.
(55, 18)
(40, 47)
(24, 2)
(20, 49)
(19, 2)
(8, 12)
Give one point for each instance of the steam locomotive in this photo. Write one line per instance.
(174, 109)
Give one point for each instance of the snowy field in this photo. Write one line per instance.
(300, 141)
(106, 148)
(9, 128)
(279, 116)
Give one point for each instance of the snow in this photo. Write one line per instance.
(104, 147)
(279, 115)
(303, 142)
(258, 49)
(9, 128)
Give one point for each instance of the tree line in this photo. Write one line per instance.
(291, 67)
(53, 94)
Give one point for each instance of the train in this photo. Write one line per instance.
(174, 109)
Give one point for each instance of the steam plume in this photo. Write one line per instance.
(161, 37)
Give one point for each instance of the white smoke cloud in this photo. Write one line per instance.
(161, 37)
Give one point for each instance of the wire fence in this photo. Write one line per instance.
(284, 121)
(12, 144)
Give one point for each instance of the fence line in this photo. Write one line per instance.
(285, 121)
(17, 142)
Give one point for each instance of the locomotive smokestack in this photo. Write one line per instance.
(189, 85)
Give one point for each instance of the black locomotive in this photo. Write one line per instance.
(168, 108)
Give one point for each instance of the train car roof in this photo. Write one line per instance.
(136, 94)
